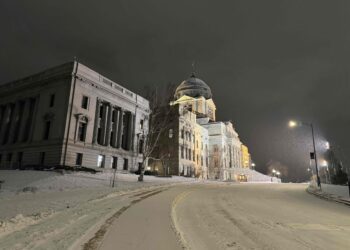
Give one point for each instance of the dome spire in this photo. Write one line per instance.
(193, 74)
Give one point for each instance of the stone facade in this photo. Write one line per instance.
(201, 147)
(225, 150)
(71, 115)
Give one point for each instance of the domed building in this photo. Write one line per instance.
(196, 135)
(193, 87)
(195, 95)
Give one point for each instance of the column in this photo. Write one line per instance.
(97, 121)
(103, 124)
(130, 131)
(5, 121)
(108, 125)
(25, 116)
(34, 110)
(15, 119)
(120, 128)
(115, 127)
(2, 113)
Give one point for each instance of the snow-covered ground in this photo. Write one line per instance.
(30, 197)
(54, 209)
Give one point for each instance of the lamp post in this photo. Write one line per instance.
(293, 124)
(253, 166)
(274, 172)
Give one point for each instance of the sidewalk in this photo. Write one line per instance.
(326, 196)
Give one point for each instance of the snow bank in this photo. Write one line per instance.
(342, 191)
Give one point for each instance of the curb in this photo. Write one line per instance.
(328, 197)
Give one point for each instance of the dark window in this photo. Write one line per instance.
(85, 102)
(182, 133)
(42, 158)
(82, 131)
(47, 130)
(99, 131)
(141, 146)
(141, 124)
(126, 164)
(101, 111)
(79, 159)
(19, 157)
(114, 162)
(52, 100)
(194, 156)
(182, 152)
(113, 115)
(9, 157)
(140, 166)
(111, 138)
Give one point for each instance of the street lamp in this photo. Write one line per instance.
(253, 165)
(293, 124)
(274, 172)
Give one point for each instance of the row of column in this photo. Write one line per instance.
(113, 126)
(16, 121)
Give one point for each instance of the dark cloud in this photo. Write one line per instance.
(266, 61)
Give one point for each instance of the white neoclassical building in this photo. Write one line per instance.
(202, 146)
(71, 115)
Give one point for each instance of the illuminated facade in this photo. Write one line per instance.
(246, 161)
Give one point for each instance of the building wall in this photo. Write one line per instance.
(113, 120)
(200, 106)
(54, 99)
(224, 150)
(36, 100)
(246, 162)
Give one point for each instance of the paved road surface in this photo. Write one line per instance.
(245, 216)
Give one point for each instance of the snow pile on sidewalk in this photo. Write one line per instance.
(254, 176)
(30, 193)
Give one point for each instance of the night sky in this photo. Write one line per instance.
(265, 61)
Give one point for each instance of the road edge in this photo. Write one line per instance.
(328, 197)
(174, 220)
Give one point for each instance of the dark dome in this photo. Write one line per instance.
(193, 87)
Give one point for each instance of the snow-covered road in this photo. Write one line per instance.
(232, 216)
(195, 215)
(261, 216)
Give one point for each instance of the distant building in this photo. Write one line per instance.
(71, 115)
(200, 146)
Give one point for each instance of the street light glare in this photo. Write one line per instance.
(292, 124)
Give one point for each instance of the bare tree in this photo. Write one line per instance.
(158, 122)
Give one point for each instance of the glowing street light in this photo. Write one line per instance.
(293, 124)
(274, 172)
(327, 145)
(278, 173)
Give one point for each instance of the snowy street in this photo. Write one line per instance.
(180, 214)
(232, 216)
